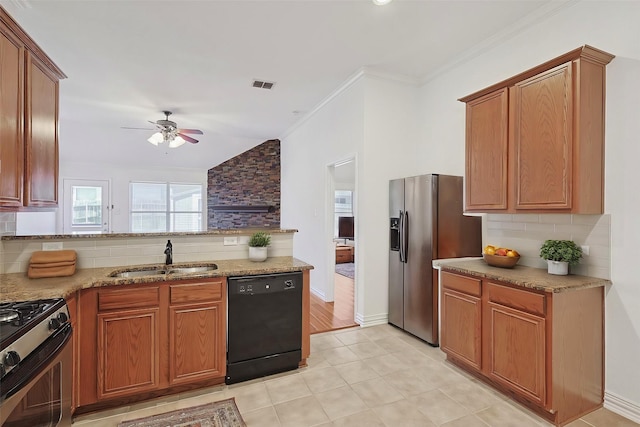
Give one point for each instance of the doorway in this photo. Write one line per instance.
(339, 310)
(86, 206)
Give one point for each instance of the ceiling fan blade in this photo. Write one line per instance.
(188, 138)
(192, 131)
(127, 127)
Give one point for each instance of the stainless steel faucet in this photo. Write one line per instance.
(168, 251)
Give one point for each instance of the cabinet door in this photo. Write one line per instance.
(517, 351)
(487, 152)
(462, 327)
(11, 119)
(542, 140)
(196, 343)
(128, 351)
(41, 135)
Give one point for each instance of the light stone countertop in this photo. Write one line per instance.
(216, 232)
(18, 287)
(527, 277)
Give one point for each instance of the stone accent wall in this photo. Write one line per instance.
(249, 179)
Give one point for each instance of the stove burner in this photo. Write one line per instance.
(8, 315)
(17, 318)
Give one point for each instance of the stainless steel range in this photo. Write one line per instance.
(35, 363)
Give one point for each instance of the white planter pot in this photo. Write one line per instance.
(560, 268)
(257, 253)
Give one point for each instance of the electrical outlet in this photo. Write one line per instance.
(585, 249)
(52, 246)
(230, 241)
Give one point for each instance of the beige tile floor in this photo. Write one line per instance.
(377, 376)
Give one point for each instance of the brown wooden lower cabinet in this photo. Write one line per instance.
(128, 348)
(195, 353)
(544, 349)
(141, 341)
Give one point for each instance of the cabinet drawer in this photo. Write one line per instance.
(460, 283)
(128, 298)
(517, 298)
(343, 256)
(194, 292)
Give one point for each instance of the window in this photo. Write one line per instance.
(158, 207)
(86, 206)
(343, 207)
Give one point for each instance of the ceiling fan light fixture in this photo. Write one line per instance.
(156, 138)
(176, 142)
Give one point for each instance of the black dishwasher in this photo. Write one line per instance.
(264, 332)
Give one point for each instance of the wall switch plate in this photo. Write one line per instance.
(51, 246)
(585, 249)
(229, 241)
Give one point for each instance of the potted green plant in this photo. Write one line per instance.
(560, 254)
(258, 243)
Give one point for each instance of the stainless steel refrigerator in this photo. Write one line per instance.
(426, 223)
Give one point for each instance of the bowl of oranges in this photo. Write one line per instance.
(500, 257)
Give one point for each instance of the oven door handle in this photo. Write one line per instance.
(33, 365)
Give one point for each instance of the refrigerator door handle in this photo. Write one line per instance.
(405, 235)
(401, 236)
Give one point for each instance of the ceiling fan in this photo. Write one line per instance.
(168, 131)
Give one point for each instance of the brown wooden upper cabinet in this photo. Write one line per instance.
(535, 142)
(29, 121)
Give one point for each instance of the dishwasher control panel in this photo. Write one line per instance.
(262, 284)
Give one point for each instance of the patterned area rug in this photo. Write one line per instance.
(217, 414)
(347, 269)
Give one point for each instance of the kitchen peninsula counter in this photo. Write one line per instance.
(18, 287)
(217, 232)
(526, 277)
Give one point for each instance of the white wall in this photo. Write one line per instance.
(373, 120)
(334, 133)
(120, 177)
(389, 152)
(613, 27)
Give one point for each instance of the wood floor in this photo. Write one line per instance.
(329, 316)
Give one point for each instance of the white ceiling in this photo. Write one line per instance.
(127, 60)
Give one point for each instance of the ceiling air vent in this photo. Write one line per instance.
(263, 85)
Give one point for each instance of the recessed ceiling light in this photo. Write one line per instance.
(381, 2)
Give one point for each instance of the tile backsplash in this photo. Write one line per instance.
(527, 232)
(114, 252)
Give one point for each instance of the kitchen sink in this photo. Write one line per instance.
(164, 271)
(192, 270)
(138, 273)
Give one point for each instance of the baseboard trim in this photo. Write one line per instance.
(373, 320)
(621, 406)
(317, 293)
